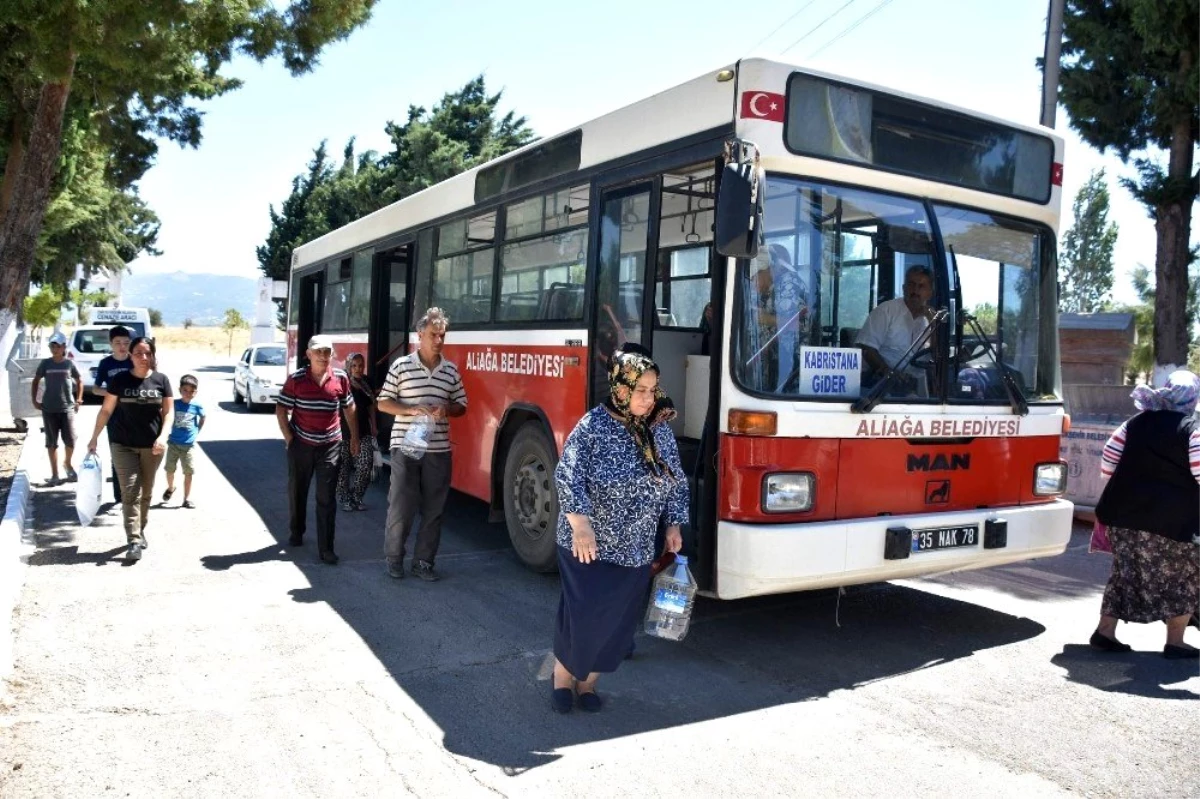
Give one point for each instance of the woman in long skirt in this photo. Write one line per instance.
(618, 479)
(1152, 509)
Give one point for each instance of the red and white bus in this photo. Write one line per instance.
(803, 475)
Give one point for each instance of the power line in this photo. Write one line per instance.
(860, 21)
(780, 26)
(813, 30)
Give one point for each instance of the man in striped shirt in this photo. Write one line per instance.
(420, 383)
(313, 397)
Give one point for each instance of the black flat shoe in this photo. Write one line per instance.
(329, 559)
(1106, 644)
(1172, 652)
(591, 702)
(562, 700)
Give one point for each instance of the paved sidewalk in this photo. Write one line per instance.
(184, 676)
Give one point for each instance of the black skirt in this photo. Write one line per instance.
(598, 613)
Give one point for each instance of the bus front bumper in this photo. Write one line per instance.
(755, 559)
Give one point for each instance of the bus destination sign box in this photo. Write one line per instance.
(830, 371)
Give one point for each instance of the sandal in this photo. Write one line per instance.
(187, 503)
(170, 492)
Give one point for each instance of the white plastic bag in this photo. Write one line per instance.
(88, 488)
(416, 438)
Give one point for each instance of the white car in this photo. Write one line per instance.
(259, 375)
(87, 346)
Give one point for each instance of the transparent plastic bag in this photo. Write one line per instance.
(88, 488)
(416, 438)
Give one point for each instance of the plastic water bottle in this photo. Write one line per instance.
(670, 609)
(416, 437)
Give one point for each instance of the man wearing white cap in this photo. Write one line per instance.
(63, 396)
(313, 397)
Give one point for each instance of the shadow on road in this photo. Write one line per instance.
(57, 526)
(1071, 575)
(220, 369)
(1135, 673)
(472, 650)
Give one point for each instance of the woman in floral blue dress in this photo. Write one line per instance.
(619, 478)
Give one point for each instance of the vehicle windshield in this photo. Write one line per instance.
(1007, 276)
(92, 342)
(840, 301)
(270, 356)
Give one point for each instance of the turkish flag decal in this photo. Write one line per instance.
(762, 105)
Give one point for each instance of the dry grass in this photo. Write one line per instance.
(203, 339)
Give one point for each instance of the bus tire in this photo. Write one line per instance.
(531, 498)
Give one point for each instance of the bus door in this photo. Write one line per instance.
(312, 300)
(391, 311)
(623, 307)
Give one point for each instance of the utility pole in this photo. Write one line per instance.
(1050, 67)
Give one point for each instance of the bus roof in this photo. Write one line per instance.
(703, 104)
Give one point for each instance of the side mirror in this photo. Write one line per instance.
(739, 217)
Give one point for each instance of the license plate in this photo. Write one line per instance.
(945, 538)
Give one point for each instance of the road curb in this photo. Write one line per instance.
(16, 542)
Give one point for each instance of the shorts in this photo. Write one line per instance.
(57, 423)
(181, 454)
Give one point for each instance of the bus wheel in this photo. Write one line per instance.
(531, 499)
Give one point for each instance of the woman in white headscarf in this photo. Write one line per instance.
(1152, 509)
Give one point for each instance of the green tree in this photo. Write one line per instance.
(462, 131)
(1085, 269)
(84, 301)
(155, 317)
(142, 64)
(232, 322)
(1141, 359)
(43, 309)
(1130, 83)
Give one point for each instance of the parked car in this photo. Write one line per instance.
(87, 346)
(259, 375)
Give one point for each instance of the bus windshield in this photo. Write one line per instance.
(849, 279)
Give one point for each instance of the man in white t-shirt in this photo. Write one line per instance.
(893, 326)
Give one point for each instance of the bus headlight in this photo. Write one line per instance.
(788, 492)
(1049, 479)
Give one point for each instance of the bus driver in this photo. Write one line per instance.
(893, 326)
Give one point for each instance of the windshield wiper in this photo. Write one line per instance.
(867, 403)
(1015, 397)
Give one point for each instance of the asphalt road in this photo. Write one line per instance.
(225, 665)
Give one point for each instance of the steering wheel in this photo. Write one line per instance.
(923, 359)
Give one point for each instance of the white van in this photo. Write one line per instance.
(88, 344)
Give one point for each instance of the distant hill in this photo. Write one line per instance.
(202, 298)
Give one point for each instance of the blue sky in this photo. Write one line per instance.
(560, 64)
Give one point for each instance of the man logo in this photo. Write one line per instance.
(940, 462)
(937, 492)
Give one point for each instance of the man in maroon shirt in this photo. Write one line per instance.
(313, 397)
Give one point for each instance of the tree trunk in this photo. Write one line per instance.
(16, 156)
(23, 223)
(1173, 225)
